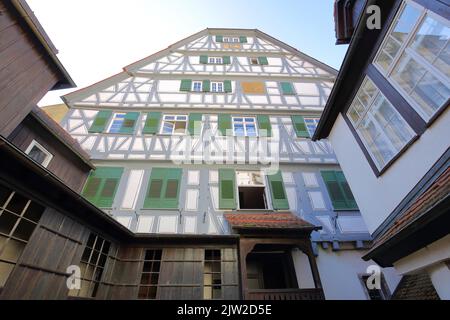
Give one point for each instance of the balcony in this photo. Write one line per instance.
(286, 294)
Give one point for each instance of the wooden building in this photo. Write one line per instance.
(389, 122)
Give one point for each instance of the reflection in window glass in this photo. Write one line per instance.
(245, 127)
(381, 128)
(416, 57)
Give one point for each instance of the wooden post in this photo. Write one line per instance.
(246, 246)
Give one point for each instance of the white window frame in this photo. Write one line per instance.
(315, 121)
(366, 113)
(161, 129)
(405, 49)
(115, 114)
(215, 60)
(48, 157)
(231, 40)
(193, 86)
(215, 85)
(245, 128)
(265, 186)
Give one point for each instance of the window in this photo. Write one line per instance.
(163, 188)
(251, 190)
(150, 275)
(382, 129)
(92, 265)
(311, 125)
(231, 39)
(339, 191)
(212, 275)
(254, 61)
(415, 57)
(174, 124)
(215, 60)
(39, 154)
(117, 122)
(245, 127)
(101, 186)
(216, 86)
(19, 217)
(197, 86)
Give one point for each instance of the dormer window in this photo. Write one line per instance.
(39, 154)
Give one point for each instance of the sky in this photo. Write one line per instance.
(97, 38)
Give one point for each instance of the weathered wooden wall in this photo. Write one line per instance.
(25, 73)
(65, 164)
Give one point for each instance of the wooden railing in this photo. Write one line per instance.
(286, 294)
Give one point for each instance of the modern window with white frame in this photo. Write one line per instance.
(415, 57)
(380, 126)
(174, 124)
(215, 60)
(197, 86)
(116, 123)
(216, 86)
(39, 154)
(311, 125)
(245, 127)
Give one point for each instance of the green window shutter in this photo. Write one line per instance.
(219, 38)
(163, 190)
(265, 128)
(349, 198)
(204, 59)
(338, 198)
(226, 60)
(224, 124)
(279, 198)
(100, 121)
(186, 85)
(263, 61)
(227, 86)
(195, 124)
(101, 186)
(287, 88)
(206, 87)
(243, 39)
(152, 123)
(129, 122)
(300, 127)
(227, 186)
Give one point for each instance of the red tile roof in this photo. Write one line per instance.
(267, 221)
(438, 191)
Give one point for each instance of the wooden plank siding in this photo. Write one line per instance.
(64, 164)
(26, 74)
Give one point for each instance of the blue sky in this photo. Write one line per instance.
(96, 38)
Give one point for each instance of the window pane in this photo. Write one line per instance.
(431, 42)
(24, 230)
(168, 128)
(427, 90)
(251, 130)
(37, 155)
(5, 271)
(239, 129)
(109, 188)
(155, 189)
(12, 250)
(405, 23)
(4, 195)
(172, 189)
(180, 127)
(375, 142)
(17, 204)
(34, 212)
(391, 122)
(7, 222)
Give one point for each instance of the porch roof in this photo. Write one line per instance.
(268, 221)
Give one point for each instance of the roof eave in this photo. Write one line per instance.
(65, 81)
